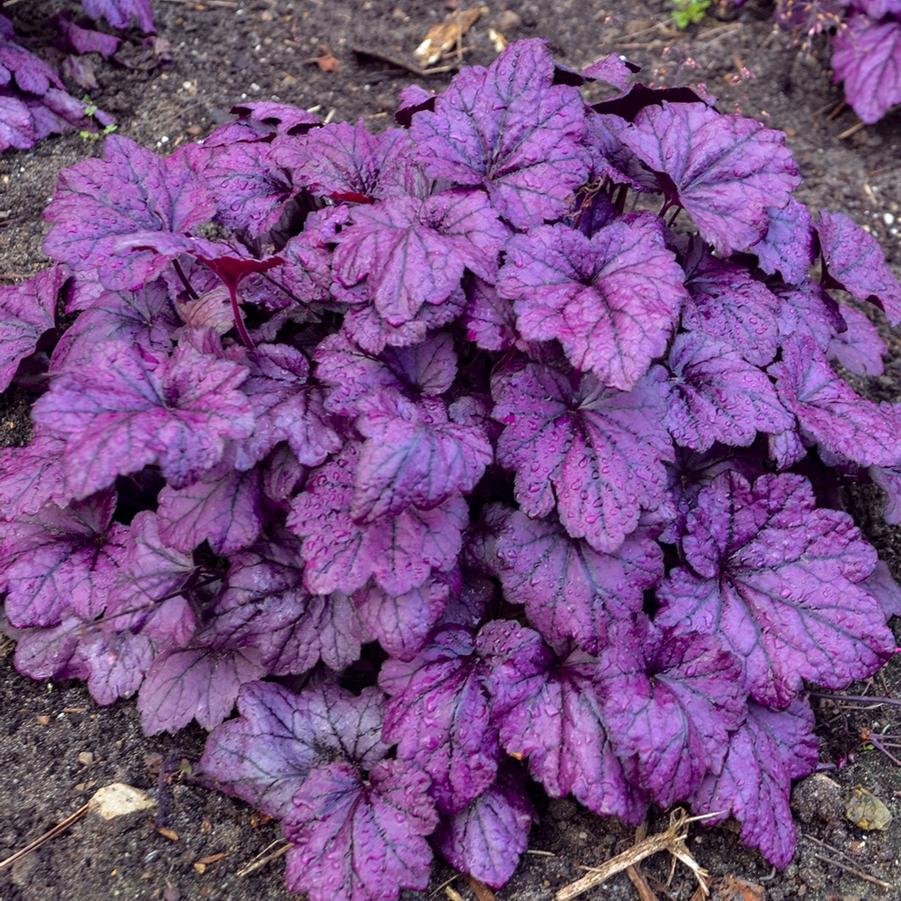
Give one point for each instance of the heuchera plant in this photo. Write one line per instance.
(866, 47)
(498, 446)
(34, 102)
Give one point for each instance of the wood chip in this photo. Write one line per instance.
(170, 834)
(480, 890)
(447, 36)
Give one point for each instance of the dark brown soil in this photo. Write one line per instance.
(223, 52)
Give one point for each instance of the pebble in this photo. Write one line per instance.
(509, 20)
(85, 758)
(866, 811)
(118, 799)
(817, 799)
(888, 219)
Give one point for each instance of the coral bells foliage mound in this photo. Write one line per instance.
(865, 44)
(498, 446)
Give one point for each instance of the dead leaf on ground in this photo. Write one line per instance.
(326, 61)
(447, 36)
(480, 890)
(731, 888)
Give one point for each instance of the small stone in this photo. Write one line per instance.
(817, 799)
(85, 758)
(509, 20)
(43, 720)
(866, 811)
(888, 218)
(118, 800)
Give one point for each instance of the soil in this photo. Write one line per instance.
(57, 747)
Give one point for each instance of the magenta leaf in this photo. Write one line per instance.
(222, 507)
(854, 261)
(859, 348)
(143, 318)
(596, 454)
(401, 623)
(831, 412)
(413, 252)
(725, 171)
(134, 407)
(27, 311)
(787, 247)
(728, 304)
(671, 702)
(265, 605)
(31, 476)
(130, 191)
(195, 683)
(375, 827)
(399, 552)
(764, 755)
(265, 754)
(866, 56)
(777, 580)
(347, 162)
(611, 300)
(415, 455)
(119, 13)
(889, 480)
(510, 129)
(715, 395)
(60, 561)
(441, 694)
(571, 591)
(487, 837)
(550, 713)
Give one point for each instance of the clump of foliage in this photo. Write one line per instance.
(497, 446)
(688, 12)
(34, 102)
(866, 47)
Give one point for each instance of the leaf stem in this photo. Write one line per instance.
(243, 334)
(184, 280)
(856, 699)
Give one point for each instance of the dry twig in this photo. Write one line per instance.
(259, 862)
(61, 826)
(673, 841)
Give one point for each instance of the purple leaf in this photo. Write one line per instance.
(595, 453)
(612, 70)
(510, 129)
(32, 476)
(144, 318)
(266, 606)
(489, 318)
(401, 624)
(375, 827)
(551, 714)
(889, 480)
(118, 663)
(809, 310)
(150, 574)
(224, 507)
(415, 455)
(195, 683)
(882, 585)
(249, 190)
(716, 396)
(570, 590)
(134, 407)
(27, 310)
(831, 412)
(16, 124)
(100, 203)
(414, 252)
(611, 300)
(671, 702)
(60, 561)
(776, 579)
(347, 162)
(866, 56)
(264, 756)
(854, 261)
(119, 13)
(399, 552)
(439, 716)
(86, 40)
(487, 838)
(728, 304)
(787, 247)
(726, 171)
(859, 348)
(764, 755)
